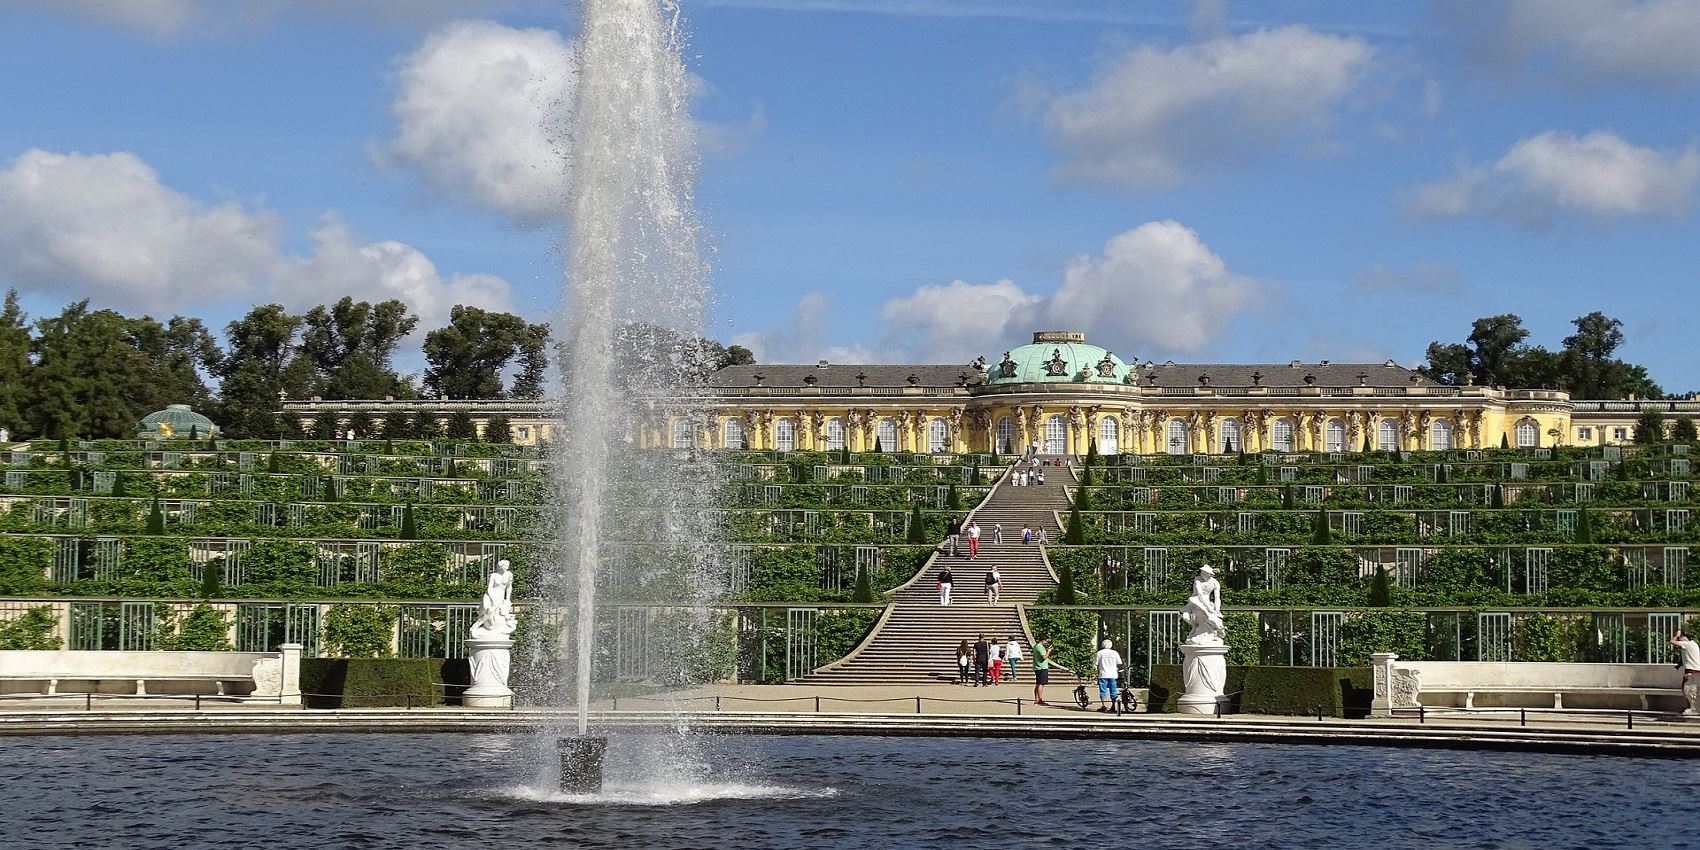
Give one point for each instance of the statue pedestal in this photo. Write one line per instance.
(489, 658)
(1205, 672)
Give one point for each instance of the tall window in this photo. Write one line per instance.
(834, 434)
(1528, 435)
(1109, 436)
(733, 433)
(681, 434)
(1334, 436)
(1006, 436)
(1056, 435)
(1281, 435)
(1231, 435)
(785, 434)
(886, 433)
(1387, 435)
(1179, 442)
(1440, 435)
(938, 436)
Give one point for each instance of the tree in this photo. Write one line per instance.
(173, 355)
(533, 362)
(261, 367)
(327, 425)
(461, 426)
(468, 356)
(1684, 431)
(1380, 589)
(1075, 534)
(350, 345)
(156, 519)
(1497, 352)
(212, 579)
(953, 499)
(1584, 528)
(1091, 451)
(864, 591)
(1286, 497)
(1065, 585)
(409, 530)
(1366, 448)
(497, 429)
(85, 379)
(426, 426)
(15, 365)
(360, 425)
(736, 355)
(1497, 500)
(1650, 426)
(1320, 533)
(878, 449)
(398, 425)
(917, 525)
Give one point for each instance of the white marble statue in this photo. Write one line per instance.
(1203, 610)
(495, 609)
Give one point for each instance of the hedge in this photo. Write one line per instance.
(1297, 691)
(379, 682)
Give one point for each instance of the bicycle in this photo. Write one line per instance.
(1126, 699)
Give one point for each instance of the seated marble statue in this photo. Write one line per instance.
(1203, 609)
(495, 609)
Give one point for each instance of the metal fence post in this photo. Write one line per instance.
(1522, 717)
(1421, 716)
(88, 701)
(1018, 706)
(616, 702)
(1629, 715)
(716, 702)
(817, 703)
(197, 702)
(917, 705)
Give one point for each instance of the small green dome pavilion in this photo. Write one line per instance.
(176, 421)
(1057, 357)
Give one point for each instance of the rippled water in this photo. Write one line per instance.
(427, 791)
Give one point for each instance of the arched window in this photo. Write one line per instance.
(1440, 435)
(1231, 435)
(1334, 436)
(1281, 435)
(885, 433)
(1179, 440)
(1387, 435)
(1109, 436)
(1006, 436)
(834, 434)
(1528, 434)
(733, 433)
(938, 436)
(785, 434)
(682, 434)
(1056, 435)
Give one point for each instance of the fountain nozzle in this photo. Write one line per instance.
(581, 763)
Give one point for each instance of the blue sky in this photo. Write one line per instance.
(895, 179)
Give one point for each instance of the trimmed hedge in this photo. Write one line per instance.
(381, 682)
(1294, 691)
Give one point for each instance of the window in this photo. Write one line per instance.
(1109, 436)
(1528, 435)
(1584, 434)
(1006, 436)
(1440, 435)
(834, 434)
(1334, 439)
(938, 436)
(885, 433)
(1179, 440)
(1282, 436)
(733, 433)
(785, 435)
(681, 434)
(1231, 435)
(522, 433)
(1387, 435)
(1620, 433)
(1056, 435)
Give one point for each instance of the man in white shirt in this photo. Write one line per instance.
(973, 540)
(1690, 665)
(1108, 662)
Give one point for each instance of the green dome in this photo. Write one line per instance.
(176, 420)
(1057, 357)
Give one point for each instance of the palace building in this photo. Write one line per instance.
(1064, 394)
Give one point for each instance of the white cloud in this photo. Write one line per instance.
(803, 338)
(156, 18)
(474, 112)
(1542, 177)
(1587, 41)
(1431, 279)
(1155, 117)
(956, 321)
(104, 226)
(1156, 285)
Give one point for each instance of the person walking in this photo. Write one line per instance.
(1041, 669)
(1011, 657)
(1690, 664)
(982, 660)
(994, 584)
(995, 675)
(1041, 479)
(1026, 533)
(1044, 540)
(997, 534)
(973, 540)
(1108, 662)
(964, 658)
(953, 531)
(945, 581)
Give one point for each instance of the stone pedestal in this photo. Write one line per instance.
(1381, 669)
(1205, 672)
(489, 659)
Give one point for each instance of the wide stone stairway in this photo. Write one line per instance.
(916, 643)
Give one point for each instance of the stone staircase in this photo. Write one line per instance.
(915, 643)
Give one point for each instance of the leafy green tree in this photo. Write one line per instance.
(156, 519)
(426, 426)
(1684, 431)
(85, 380)
(864, 591)
(398, 425)
(461, 426)
(262, 366)
(1075, 534)
(468, 356)
(878, 449)
(15, 365)
(327, 425)
(212, 580)
(1650, 426)
(533, 362)
(917, 525)
(1380, 589)
(1584, 528)
(361, 426)
(497, 429)
(409, 528)
(1320, 533)
(206, 629)
(1066, 594)
(175, 354)
(953, 499)
(351, 344)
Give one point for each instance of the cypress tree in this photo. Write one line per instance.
(953, 499)
(1065, 585)
(156, 519)
(326, 425)
(194, 432)
(1075, 535)
(1380, 589)
(1505, 441)
(272, 465)
(397, 424)
(1086, 477)
(409, 531)
(1498, 498)
(1286, 497)
(1366, 448)
(1684, 431)
(864, 586)
(974, 474)
(1441, 476)
(1262, 474)
(917, 525)
(389, 446)
(360, 425)
(212, 440)
(1091, 451)
(65, 448)
(212, 580)
(426, 427)
(1584, 528)
(498, 429)
(844, 455)
(878, 448)
(461, 426)
(118, 484)
(1320, 533)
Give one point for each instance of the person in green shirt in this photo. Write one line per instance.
(1041, 669)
